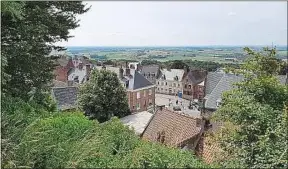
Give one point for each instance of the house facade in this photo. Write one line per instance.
(64, 64)
(193, 84)
(140, 92)
(170, 81)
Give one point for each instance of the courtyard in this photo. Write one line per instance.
(162, 99)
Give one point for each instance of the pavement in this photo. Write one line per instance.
(162, 99)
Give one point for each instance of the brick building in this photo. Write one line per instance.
(140, 92)
(193, 84)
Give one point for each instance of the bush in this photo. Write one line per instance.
(70, 140)
(16, 115)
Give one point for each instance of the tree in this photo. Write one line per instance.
(103, 96)
(28, 34)
(257, 132)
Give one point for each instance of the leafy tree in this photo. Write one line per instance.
(257, 132)
(177, 64)
(103, 96)
(29, 32)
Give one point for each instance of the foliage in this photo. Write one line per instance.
(50, 141)
(28, 34)
(16, 115)
(56, 141)
(103, 96)
(257, 134)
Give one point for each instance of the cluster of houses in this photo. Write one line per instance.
(172, 128)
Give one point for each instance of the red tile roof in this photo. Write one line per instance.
(176, 127)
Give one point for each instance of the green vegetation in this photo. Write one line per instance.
(103, 96)
(255, 116)
(33, 137)
(28, 34)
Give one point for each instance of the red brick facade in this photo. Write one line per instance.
(192, 91)
(142, 103)
(61, 73)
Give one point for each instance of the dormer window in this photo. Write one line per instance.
(218, 102)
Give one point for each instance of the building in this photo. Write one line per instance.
(170, 81)
(81, 70)
(193, 84)
(217, 83)
(64, 64)
(134, 65)
(76, 70)
(138, 121)
(151, 72)
(65, 97)
(140, 92)
(174, 129)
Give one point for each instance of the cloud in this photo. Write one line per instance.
(231, 13)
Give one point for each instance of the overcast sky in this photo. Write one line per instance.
(147, 23)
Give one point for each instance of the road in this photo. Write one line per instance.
(162, 99)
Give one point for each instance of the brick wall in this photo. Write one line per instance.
(61, 73)
(143, 100)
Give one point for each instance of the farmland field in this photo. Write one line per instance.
(212, 53)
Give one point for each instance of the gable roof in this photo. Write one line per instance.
(217, 83)
(172, 73)
(196, 76)
(65, 97)
(225, 83)
(150, 69)
(136, 80)
(178, 128)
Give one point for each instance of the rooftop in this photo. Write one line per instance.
(177, 128)
(137, 121)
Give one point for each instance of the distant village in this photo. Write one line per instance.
(171, 106)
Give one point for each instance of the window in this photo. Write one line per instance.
(150, 102)
(166, 83)
(161, 88)
(178, 85)
(189, 86)
(185, 86)
(166, 90)
(186, 80)
(158, 89)
(150, 91)
(144, 93)
(158, 83)
(138, 95)
(138, 106)
(174, 84)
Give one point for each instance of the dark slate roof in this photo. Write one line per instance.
(65, 97)
(150, 69)
(196, 76)
(140, 81)
(225, 83)
(212, 80)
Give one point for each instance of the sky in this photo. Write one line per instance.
(184, 23)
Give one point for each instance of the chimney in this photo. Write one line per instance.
(88, 70)
(121, 72)
(127, 71)
(138, 67)
(70, 83)
(185, 69)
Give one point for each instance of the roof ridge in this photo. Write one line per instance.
(181, 114)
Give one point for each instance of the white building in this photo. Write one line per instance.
(170, 81)
(81, 71)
